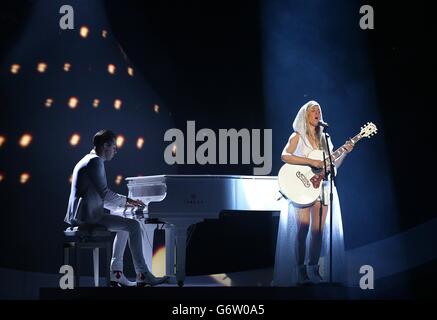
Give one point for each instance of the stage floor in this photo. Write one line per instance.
(205, 293)
(250, 285)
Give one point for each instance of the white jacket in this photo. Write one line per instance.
(90, 193)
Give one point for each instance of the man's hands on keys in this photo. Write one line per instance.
(135, 203)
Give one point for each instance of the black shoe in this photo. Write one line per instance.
(149, 280)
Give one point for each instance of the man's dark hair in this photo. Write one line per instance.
(103, 136)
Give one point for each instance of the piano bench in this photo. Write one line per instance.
(88, 237)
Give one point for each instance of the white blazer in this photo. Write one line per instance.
(90, 193)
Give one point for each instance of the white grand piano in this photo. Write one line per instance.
(183, 200)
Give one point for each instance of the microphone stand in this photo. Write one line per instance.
(331, 197)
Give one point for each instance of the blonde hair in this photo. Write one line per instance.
(301, 125)
(318, 133)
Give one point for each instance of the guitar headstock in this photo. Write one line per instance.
(368, 130)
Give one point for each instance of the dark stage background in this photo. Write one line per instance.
(202, 61)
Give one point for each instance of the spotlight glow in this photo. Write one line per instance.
(73, 102)
(130, 71)
(111, 68)
(2, 140)
(25, 140)
(140, 142)
(67, 67)
(74, 139)
(119, 141)
(2, 176)
(84, 31)
(96, 103)
(24, 177)
(173, 150)
(117, 104)
(158, 262)
(104, 33)
(156, 108)
(49, 102)
(42, 67)
(118, 179)
(70, 179)
(15, 68)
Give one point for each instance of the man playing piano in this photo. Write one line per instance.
(90, 195)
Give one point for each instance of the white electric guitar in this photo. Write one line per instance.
(301, 184)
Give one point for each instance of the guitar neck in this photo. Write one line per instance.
(339, 152)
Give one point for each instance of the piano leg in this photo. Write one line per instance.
(169, 249)
(181, 250)
(176, 235)
(147, 232)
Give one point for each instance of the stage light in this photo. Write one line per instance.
(117, 104)
(140, 142)
(2, 140)
(48, 102)
(67, 67)
(104, 33)
(2, 176)
(74, 139)
(15, 68)
(130, 71)
(25, 140)
(24, 177)
(42, 67)
(173, 150)
(111, 68)
(84, 31)
(73, 102)
(118, 179)
(156, 108)
(96, 103)
(119, 141)
(70, 179)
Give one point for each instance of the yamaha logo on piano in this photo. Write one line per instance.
(193, 200)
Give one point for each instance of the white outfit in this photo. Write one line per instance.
(89, 192)
(286, 258)
(89, 196)
(120, 241)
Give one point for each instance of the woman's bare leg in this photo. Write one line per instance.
(303, 223)
(316, 232)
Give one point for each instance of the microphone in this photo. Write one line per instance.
(323, 124)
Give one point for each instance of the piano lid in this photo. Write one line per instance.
(205, 195)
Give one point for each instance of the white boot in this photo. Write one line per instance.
(302, 274)
(118, 279)
(314, 274)
(148, 279)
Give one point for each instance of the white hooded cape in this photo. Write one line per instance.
(285, 268)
